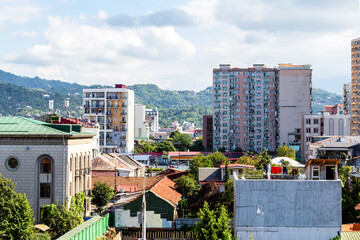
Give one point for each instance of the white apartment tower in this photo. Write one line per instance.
(113, 109)
(141, 126)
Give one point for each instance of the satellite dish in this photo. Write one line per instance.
(122, 190)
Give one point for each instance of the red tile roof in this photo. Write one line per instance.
(166, 190)
(138, 181)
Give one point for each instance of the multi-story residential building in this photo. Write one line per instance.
(295, 100)
(48, 162)
(325, 124)
(347, 98)
(113, 109)
(259, 107)
(245, 107)
(152, 119)
(355, 86)
(141, 126)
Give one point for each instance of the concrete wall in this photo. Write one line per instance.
(287, 209)
(294, 99)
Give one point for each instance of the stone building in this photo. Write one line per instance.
(48, 162)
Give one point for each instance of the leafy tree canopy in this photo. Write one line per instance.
(286, 151)
(186, 185)
(101, 195)
(16, 215)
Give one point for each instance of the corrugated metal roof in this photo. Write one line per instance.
(350, 235)
(16, 125)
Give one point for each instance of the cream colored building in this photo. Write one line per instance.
(141, 126)
(113, 109)
(48, 162)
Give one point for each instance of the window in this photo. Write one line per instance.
(12, 163)
(315, 173)
(316, 130)
(45, 166)
(308, 130)
(308, 121)
(45, 190)
(316, 121)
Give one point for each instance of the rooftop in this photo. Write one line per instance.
(18, 126)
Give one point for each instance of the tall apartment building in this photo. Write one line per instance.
(347, 98)
(152, 119)
(208, 131)
(248, 106)
(244, 107)
(355, 86)
(113, 109)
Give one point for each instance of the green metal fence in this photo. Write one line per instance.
(89, 230)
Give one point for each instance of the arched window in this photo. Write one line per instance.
(341, 127)
(45, 166)
(331, 127)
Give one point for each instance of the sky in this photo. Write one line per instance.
(175, 44)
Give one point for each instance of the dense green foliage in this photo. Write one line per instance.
(213, 224)
(182, 141)
(16, 215)
(350, 196)
(14, 99)
(186, 185)
(61, 218)
(101, 195)
(285, 151)
(193, 114)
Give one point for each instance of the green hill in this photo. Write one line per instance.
(17, 92)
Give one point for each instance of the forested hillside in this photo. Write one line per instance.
(17, 92)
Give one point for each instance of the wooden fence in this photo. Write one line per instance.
(158, 235)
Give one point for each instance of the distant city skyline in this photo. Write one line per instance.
(175, 44)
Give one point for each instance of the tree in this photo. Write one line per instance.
(350, 195)
(210, 193)
(222, 226)
(15, 212)
(186, 185)
(61, 218)
(228, 195)
(213, 224)
(148, 147)
(197, 145)
(263, 159)
(285, 151)
(247, 160)
(183, 141)
(216, 159)
(101, 195)
(165, 146)
(206, 227)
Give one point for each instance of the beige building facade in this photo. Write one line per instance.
(48, 162)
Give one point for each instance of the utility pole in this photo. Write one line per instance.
(144, 212)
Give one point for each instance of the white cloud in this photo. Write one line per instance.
(30, 34)
(18, 11)
(89, 54)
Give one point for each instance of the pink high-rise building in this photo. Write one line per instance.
(246, 104)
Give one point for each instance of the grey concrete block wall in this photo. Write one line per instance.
(285, 207)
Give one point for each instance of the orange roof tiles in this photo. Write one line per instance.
(166, 190)
(138, 181)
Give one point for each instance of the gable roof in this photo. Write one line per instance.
(15, 125)
(165, 189)
(105, 163)
(138, 181)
